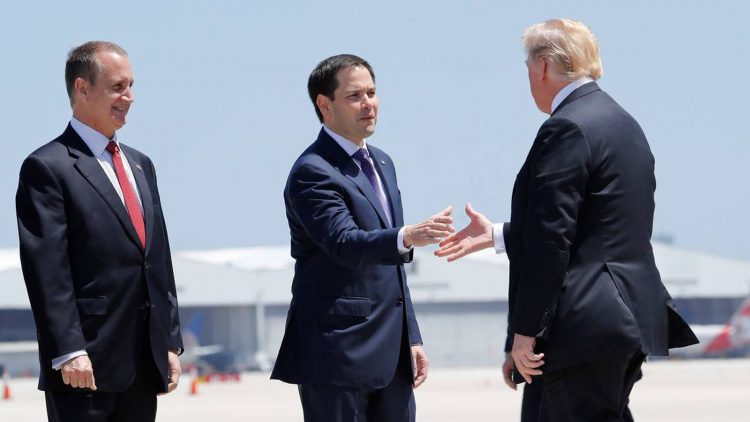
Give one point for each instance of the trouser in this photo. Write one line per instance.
(393, 403)
(593, 391)
(532, 402)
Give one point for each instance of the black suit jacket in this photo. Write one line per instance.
(582, 273)
(86, 273)
(350, 300)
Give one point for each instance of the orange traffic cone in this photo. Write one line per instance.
(6, 386)
(194, 382)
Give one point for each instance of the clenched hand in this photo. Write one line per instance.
(174, 370)
(79, 373)
(420, 364)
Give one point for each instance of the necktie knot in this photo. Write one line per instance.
(112, 147)
(362, 156)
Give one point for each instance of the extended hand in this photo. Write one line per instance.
(174, 371)
(79, 373)
(474, 237)
(420, 365)
(508, 367)
(433, 230)
(524, 357)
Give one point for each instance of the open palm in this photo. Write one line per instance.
(477, 235)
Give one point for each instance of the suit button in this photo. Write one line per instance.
(146, 265)
(400, 301)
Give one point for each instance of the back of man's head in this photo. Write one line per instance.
(569, 47)
(323, 80)
(83, 63)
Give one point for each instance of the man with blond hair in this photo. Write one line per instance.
(586, 302)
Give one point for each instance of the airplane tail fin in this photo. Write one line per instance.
(735, 334)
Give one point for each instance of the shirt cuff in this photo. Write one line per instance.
(497, 237)
(58, 362)
(400, 242)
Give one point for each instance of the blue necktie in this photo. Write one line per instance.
(363, 158)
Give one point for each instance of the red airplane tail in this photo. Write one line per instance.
(735, 334)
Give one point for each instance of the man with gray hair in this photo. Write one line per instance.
(95, 255)
(586, 302)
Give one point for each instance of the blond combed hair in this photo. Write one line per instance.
(568, 45)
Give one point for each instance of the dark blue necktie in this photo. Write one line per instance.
(363, 158)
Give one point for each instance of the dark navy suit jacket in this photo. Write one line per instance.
(86, 273)
(582, 272)
(350, 300)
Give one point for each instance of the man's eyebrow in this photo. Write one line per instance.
(356, 90)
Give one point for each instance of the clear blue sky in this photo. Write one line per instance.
(221, 104)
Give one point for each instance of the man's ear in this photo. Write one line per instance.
(81, 87)
(324, 105)
(544, 68)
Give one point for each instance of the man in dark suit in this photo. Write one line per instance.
(352, 342)
(95, 256)
(586, 303)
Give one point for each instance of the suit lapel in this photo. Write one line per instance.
(356, 175)
(91, 170)
(346, 165)
(144, 190)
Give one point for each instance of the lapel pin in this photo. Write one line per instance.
(382, 162)
(138, 166)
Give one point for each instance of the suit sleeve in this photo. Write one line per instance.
(415, 336)
(43, 241)
(317, 203)
(175, 334)
(558, 178)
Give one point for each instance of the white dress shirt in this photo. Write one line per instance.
(497, 229)
(350, 149)
(567, 90)
(97, 143)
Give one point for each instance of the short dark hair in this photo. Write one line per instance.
(323, 78)
(83, 63)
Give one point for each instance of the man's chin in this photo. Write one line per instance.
(118, 123)
(368, 131)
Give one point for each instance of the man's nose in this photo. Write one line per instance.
(367, 102)
(128, 94)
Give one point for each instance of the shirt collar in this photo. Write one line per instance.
(346, 144)
(96, 142)
(569, 88)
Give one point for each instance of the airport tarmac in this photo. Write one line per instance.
(684, 391)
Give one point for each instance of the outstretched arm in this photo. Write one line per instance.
(317, 205)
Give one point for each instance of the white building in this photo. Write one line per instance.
(239, 298)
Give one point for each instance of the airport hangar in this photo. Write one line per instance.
(238, 298)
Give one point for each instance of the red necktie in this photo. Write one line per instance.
(131, 202)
